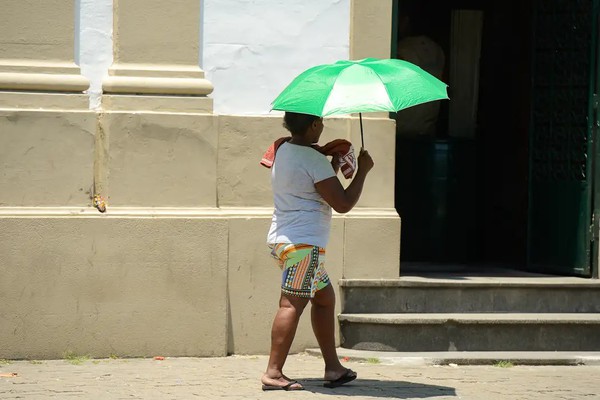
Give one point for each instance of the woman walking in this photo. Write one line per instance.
(305, 189)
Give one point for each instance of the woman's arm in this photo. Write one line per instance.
(332, 191)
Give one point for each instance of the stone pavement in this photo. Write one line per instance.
(237, 377)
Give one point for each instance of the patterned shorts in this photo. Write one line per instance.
(303, 268)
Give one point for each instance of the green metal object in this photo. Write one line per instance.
(560, 178)
(595, 128)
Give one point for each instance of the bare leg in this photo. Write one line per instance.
(282, 336)
(323, 324)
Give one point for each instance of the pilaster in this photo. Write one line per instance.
(156, 51)
(35, 55)
(370, 29)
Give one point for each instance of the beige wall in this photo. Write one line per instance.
(123, 273)
(242, 182)
(161, 160)
(46, 158)
(359, 247)
(254, 280)
(178, 263)
(103, 285)
(370, 29)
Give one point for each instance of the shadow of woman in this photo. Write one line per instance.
(379, 388)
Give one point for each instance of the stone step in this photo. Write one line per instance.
(471, 332)
(498, 358)
(471, 295)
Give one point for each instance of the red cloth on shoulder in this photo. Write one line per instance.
(269, 157)
(340, 148)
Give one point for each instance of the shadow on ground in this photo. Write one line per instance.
(378, 388)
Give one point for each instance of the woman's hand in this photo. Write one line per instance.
(340, 199)
(365, 162)
(335, 163)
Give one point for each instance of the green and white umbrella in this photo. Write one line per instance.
(368, 85)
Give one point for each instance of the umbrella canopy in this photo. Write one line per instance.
(367, 85)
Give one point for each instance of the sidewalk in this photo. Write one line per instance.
(237, 377)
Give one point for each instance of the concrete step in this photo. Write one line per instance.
(471, 332)
(471, 295)
(498, 358)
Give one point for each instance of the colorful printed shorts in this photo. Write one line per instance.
(303, 268)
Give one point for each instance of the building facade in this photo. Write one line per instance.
(133, 209)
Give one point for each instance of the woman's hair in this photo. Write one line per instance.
(298, 123)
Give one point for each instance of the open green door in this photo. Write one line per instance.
(562, 136)
(595, 128)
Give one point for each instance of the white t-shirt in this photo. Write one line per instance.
(301, 215)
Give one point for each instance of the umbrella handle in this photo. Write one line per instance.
(362, 139)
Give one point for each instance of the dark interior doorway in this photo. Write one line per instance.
(463, 200)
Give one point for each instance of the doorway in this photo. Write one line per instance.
(491, 194)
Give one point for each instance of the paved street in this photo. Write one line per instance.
(238, 377)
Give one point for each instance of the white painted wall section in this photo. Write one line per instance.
(94, 45)
(253, 49)
(250, 49)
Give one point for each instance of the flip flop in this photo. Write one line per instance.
(349, 376)
(287, 387)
